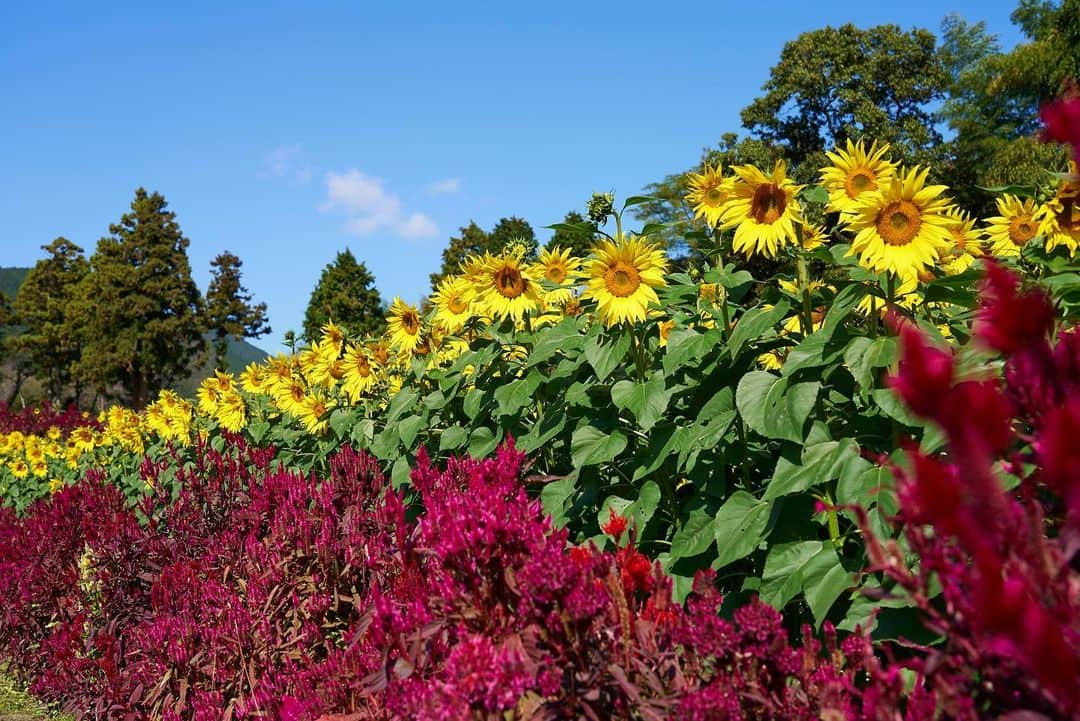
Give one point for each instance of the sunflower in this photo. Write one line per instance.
(453, 303)
(312, 412)
(708, 193)
(333, 339)
(772, 360)
(623, 277)
(665, 327)
(902, 227)
(559, 268)
(854, 171)
(1017, 222)
(359, 375)
(403, 326)
(1061, 216)
(762, 209)
(253, 378)
(506, 288)
(813, 236)
(967, 243)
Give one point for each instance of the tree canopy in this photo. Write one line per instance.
(474, 240)
(838, 83)
(346, 295)
(42, 307)
(229, 311)
(138, 309)
(575, 233)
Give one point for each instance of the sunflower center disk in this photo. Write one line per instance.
(622, 279)
(457, 305)
(859, 181)
(363, 368)
(768, 204)
(509, 283)
(1021, 230)
(714, 196)
(410, 322)
(556, 274)
(899, 223)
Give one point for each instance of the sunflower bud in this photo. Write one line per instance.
(600, 206)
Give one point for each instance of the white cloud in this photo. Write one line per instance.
(286, 161)
(372, 208)
(418, 225)
(445, 186)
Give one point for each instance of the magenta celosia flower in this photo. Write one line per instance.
(1008, 320)
(1061, 121)
(925, 374)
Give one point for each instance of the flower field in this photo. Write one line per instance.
(601, 487)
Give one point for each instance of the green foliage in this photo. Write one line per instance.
(229, 312)
(41, 307)
(474, 240)
(137, 311)
(575, 233)
(838, 83)
(346, 295)
(992, 109)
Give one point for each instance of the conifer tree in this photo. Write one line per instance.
(51, 338)
(229, 312)
(346, 295)
(138, 310)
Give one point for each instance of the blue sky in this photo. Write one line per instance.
(285, 132)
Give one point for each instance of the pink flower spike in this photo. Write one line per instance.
(1061, 119)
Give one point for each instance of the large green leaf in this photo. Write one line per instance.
(606, 355)
(683, 347)
(695, 535)
(562, 337)
(819, 463)
(482, 442)
(753, 325)
(647, 401)
(517, 394)
(453, 438)
(408, 428)
(590, 445)
(401, 403)
(750, 397)
(738, 526)
(782, 578)
(824, 579)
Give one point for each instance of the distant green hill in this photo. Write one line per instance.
(239, 354)
(11, 279)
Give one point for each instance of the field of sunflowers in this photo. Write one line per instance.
(599, 487)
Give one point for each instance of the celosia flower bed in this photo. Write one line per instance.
(261, 592)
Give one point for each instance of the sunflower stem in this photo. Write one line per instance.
(807, 318)
(873, 315)
(890, 290)
(637, 350)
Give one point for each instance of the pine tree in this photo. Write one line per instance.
(229, 312)
(139, 309)
(42, 306)
(345, 294)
